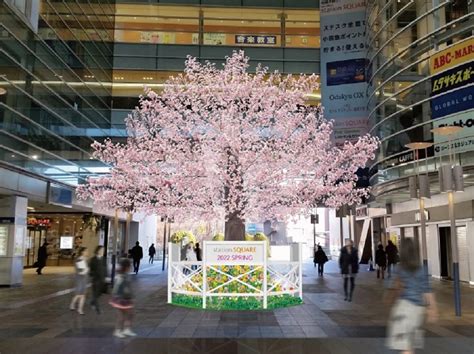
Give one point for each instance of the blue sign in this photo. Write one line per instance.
(452, 102)
(59, 195)
(344, 72)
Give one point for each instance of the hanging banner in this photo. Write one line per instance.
(344, 82)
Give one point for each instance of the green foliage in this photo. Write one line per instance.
(260, 236)
(249, 237)
(190, 301)
(279, 301)
(218, 237)
(236, 303)
(180, 235)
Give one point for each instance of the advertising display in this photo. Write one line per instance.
(234, 253)
(344, 82)
(452, 93)
(66, 242)
(3, 240)
(20, 236)
(452, 56)
(464, 140)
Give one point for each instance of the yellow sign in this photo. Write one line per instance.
(452, 56)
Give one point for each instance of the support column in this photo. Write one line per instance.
(13, 212)
(455, 255)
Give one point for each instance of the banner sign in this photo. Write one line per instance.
(452, 56)
(255, 39)
(344, 82)
(452, 102)
(228, 252)
(464, 140)
(451, 79)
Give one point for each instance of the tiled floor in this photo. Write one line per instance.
(36, 319)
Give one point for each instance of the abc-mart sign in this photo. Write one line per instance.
(462, 141)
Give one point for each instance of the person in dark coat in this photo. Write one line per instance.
(349, 264)
(198, 251)
(137, 255)
(151, 253)
(42, 257)
(392, 256)
(380, 261)
(97, 272)
(320, 258)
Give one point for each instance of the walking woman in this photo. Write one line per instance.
(82, 270)
(415, 302)
(320, 258)
(349, 264)
(97, 273)
(122, 300)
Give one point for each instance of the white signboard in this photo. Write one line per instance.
(462, 141)
(66, 242)
(18, 248)
(234, 252)
(3, 240)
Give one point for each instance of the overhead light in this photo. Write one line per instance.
(12, 155)
(30, 208)
(34, 157)
(2, 91)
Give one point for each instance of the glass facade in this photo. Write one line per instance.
(404, 39)
(55, 77)
(70, 71)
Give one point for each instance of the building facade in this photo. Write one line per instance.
(71, 71)
(420, 66)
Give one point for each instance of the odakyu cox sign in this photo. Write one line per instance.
(235, 275)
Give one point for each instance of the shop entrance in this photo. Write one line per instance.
(445, 252)
(35, 239)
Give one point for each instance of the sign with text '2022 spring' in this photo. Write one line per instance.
(234, 252)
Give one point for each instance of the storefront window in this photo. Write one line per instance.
(63, 233)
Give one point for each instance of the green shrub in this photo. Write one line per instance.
(249, 237)
(180, 235)
(218, 237)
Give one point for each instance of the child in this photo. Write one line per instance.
(122, 300)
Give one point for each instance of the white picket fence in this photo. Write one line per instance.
(279, 277)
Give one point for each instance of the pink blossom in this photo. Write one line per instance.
(219, 142)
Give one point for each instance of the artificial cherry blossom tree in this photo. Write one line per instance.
(224, 143)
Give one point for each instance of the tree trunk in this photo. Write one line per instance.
(234, 229)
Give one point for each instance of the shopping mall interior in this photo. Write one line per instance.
(73, 71)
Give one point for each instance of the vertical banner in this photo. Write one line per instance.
(343, 67)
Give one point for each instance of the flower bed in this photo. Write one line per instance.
(239, 280)
(236, 303)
